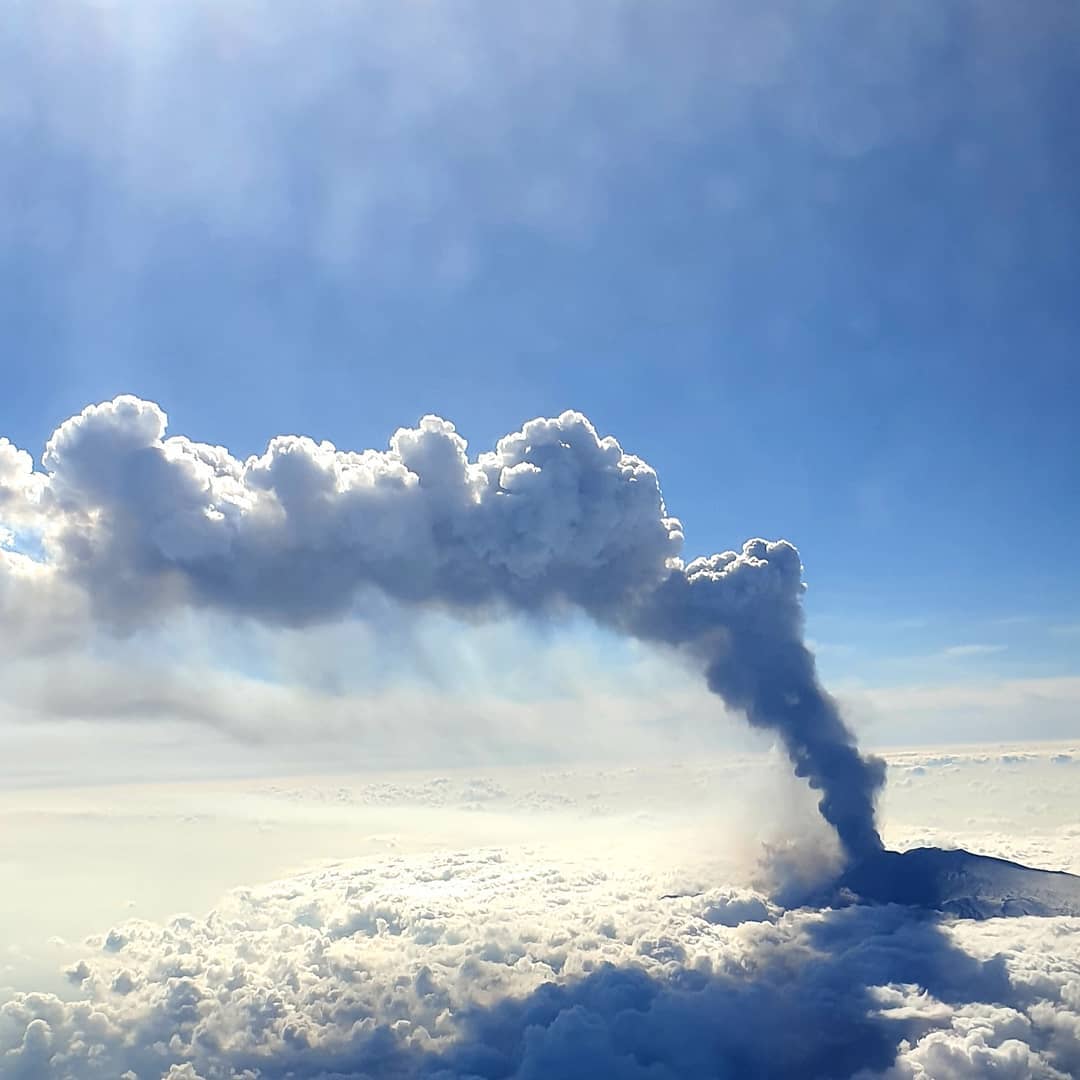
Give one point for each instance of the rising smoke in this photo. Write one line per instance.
(554, 517)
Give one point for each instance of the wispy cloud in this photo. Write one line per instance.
(397, 136)
(965, 711)
(830, 648)
(1015, 620)
(959, 651)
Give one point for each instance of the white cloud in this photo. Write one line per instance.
(959, 651)
(20, 486)
(40, 612)
(484, 963)
(1007, 693)
(554, 515)
(475, 933)
(969, 711)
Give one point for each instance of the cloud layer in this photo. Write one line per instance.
(555, 517)
(482, 964)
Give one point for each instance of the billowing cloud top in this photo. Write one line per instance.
(20, 486)
(554, 516)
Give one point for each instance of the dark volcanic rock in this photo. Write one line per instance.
(959, 883)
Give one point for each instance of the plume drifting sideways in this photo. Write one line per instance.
(555, 517)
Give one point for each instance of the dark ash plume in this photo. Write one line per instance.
(555, 516)
(742, 615)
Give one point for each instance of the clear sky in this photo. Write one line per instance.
(817, 263)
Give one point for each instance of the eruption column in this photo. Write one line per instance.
(741, 615)
(554, 517)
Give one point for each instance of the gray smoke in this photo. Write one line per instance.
(741, 614)
(554, 517)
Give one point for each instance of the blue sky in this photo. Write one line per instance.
(816, 263)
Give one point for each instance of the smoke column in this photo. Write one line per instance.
(554, 517)
(741, 615)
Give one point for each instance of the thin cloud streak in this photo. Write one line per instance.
(975, 649)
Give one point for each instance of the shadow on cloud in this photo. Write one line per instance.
(474, 966)
(814, 1013)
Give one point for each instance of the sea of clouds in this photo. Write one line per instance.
(564, 922)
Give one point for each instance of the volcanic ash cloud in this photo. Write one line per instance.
(554, 517)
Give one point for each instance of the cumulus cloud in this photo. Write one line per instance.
(20, 486)
(555, 517)
(40, 611)
(483, 964)
(554, 514)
